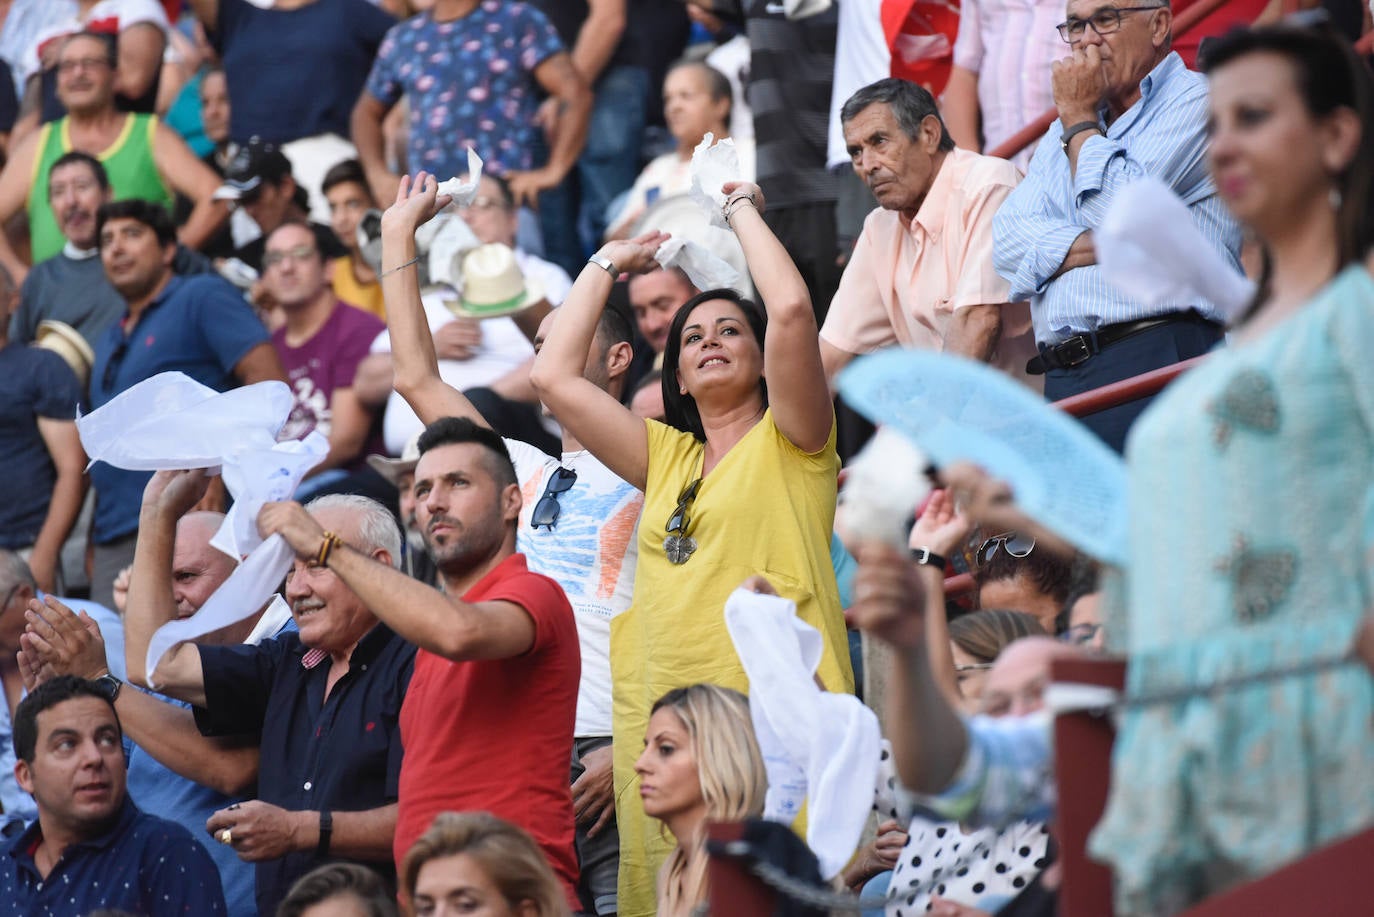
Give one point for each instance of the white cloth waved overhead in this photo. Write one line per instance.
(831, 739)
(172, 422)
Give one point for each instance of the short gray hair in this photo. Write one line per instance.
(14, 570)
(377, 528)
(910, 105)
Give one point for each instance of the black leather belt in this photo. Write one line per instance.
(1080, 348)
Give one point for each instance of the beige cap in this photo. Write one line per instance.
(65, 341)
(393, 468)
(493, 284)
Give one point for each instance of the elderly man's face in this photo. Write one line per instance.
(197, 568)
(1016, 683)
(75, 195)
(898, 169)
(14, 600)
(1129, 53)
(330, 616)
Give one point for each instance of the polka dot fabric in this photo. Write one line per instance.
(983, 869)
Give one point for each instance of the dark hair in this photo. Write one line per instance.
(454, 431)
(679, 409)
(349, 170)
(910, 105)
(614, 327)
(335, 880)
(502, 188)
(1083, 581)
(1329, 76)
(102, 178)
(717, 83)
(1050, 574)
(984, 634)
(107, 41)
(154, 216)
(47, 695)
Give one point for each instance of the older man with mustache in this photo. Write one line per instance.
(922, 274)
(328, 789)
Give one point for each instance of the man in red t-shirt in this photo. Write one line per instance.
(487, 722)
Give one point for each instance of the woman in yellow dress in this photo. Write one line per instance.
(741, 481)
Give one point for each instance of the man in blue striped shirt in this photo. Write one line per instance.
(1128, 107)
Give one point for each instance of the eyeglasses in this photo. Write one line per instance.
(112, 365)
(483, 202)
(1104, 22)
(1014, 544)
(8, 596)
(82, 63)
(678, 545)
(299, 253)
(973, 667)
(1080, 634)
(547, 509)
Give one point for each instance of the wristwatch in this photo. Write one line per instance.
(928, 557)
(108, 686)
(1076, 129)
(606, 264)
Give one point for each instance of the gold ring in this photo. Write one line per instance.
(226, 837)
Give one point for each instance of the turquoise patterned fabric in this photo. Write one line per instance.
(1252, 519)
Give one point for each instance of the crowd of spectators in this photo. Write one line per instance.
(497, 674)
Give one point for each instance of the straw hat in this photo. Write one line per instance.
(393, 468)
(493, 284)
(65, 341)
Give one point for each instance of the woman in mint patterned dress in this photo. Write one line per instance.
(1252, 512)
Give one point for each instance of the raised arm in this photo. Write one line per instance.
(168, 496)
(940, 530)
(602, 424)
(442, 624)
(415, 365)
(62, 643)
(929, 739)
(798, 393)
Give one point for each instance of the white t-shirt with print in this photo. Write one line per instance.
(591, 551)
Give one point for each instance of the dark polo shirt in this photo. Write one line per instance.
(343, 754)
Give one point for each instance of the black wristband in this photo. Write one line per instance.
(928, 557)
(1076, 129)
(326, 830)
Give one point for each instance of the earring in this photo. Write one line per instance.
(1334, 197)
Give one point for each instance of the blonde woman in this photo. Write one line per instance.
(475, 863)
(701, 763)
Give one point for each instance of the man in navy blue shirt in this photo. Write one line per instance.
(91, 847)
(199, 325)
(324, 702)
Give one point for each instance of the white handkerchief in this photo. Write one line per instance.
(461, 191)
(830, 742)
(258, 476)
(713, 164)
(243, 593)
(1149, 248)
(707, 270)
(171, 421)
(885, 484)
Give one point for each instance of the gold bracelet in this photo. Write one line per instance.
(327, 546)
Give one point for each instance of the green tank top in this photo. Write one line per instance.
(128, 161)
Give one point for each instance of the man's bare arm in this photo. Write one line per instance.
(974, 332)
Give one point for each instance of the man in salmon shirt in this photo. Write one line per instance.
(487, 722)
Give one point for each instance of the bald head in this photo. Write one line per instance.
(1016, 684)
(197, 568)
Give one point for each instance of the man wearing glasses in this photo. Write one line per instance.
(144, 158)
(577, 524)
(320, 344)
(198, 325)
(1128, 107)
